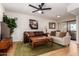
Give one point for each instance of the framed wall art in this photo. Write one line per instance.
(33, 24)
(52, 25)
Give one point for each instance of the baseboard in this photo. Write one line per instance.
(17, 40)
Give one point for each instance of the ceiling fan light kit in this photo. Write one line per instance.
(40, 12)
(58, 16)
(40, 8)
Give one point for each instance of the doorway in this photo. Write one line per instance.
(71, 27)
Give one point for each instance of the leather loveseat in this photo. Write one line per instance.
(31, 34)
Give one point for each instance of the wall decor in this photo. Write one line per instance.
(33, 24)
(52, 25)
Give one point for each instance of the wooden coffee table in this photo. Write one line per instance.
(40, 40)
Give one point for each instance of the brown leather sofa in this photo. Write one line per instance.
(30, 35)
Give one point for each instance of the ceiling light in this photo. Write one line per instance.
(40, 11)
(58, 16)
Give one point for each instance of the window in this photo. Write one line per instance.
(73, 27)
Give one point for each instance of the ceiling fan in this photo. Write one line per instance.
(40, 8)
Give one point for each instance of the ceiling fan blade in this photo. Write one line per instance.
(42, 4)
(46, 8)
(33, 6)
(35, 11)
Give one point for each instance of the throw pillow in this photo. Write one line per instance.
(53, 33)
(62, 34)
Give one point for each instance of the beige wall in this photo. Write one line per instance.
(1, 12)
(1, 15)
(23, 24)
(77, 36)
(63, 26)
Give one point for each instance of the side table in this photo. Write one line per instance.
(50, 42)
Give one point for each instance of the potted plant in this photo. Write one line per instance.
(10, 23)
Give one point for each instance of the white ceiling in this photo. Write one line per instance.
(58, 9)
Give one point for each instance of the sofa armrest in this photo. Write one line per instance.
(67, 37)
(26, 37)
(66, 40)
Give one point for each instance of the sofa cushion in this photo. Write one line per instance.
(36, 33)
(58, 38)
(31, 34)
(53, 33)
(39, 33)
(57, 34)
(62, 34)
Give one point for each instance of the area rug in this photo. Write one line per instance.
(27, 50)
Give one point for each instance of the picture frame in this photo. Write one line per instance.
(33, 24)
(52, 25)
